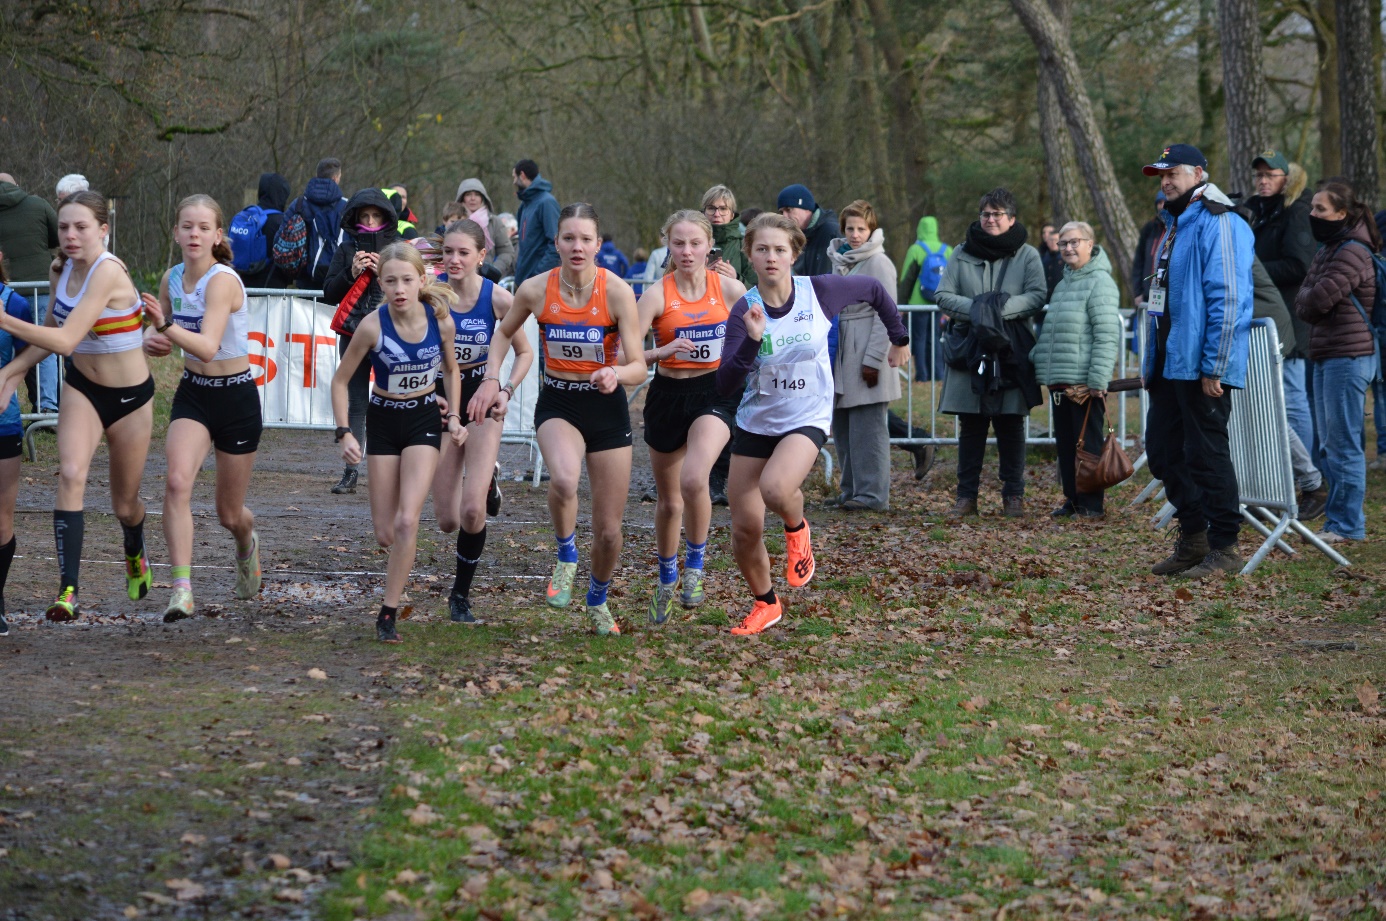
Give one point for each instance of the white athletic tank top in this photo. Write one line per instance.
(791, 384)
(117, 329)
(189, 307)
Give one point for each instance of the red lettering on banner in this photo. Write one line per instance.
(267, 366)
(310, 345)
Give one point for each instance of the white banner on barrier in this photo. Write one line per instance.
(293, 353)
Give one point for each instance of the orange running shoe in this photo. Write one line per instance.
(762, 615)
(798, 568)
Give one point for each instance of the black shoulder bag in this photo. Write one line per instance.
(960, 349)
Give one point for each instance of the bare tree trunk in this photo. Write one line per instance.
(883, 181)
(1330, 124)
(1056, 55)
(1210, 98)
(1060, 161)
(1244, 89)
(1357, 89)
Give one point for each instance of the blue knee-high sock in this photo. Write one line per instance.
(567, 548)
(668, 570)
(693, 554)
(596, 591)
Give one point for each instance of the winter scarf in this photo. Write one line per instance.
(991, 248)
(844, 258)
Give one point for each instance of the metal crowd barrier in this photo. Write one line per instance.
(32, 422)
(1259, 433)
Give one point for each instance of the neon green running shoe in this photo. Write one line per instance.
(137, 575)
(692, 594)
(662, 605)
(180, 605)
(248, 570)
(560, 590)
(603, 624)
(65, 607)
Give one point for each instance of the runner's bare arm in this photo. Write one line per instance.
(110, 282)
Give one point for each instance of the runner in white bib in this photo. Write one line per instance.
(776, 351)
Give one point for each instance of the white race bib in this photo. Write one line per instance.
(575, 343)
(788, 381)
(412, 381)
(707, 344)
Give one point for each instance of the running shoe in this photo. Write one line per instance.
(180, 605)
(560, 590)
(65, 607)
(137, 575)
(762, 615)
(385, 630)
(248, 570)
(663, 603)
(493, 495)
(603, 624)
(692, 594)
(4, 624)
(798, 567)
(460, 609)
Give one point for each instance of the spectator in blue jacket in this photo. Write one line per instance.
(611, 258)
(537, 217)
(1200, 307)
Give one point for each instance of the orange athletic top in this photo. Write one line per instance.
(578, 341)
(703, 322)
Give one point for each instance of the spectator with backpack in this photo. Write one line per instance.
(919, 277)
(312, 228)
(1339, 299)
(369, 224)
(252, 232)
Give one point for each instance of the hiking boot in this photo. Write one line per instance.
(385, 630)
(248, 570)
(347, 484)
(65, 607)
(180, 606)
(1313, 503)
(493, 494)
(1064, 511)
(662, 605)
(1091, 514)
(1223, 559)
(460, 609)
(717, 487)
(1013, 506)
(1189, 551)
(798, 565)
(692, 594)
(924, 460)
(560, 590)
(4, 624)
(963, 508)
(603, 624)
(762, 616)
(137, 575)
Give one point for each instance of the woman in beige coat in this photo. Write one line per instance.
(863, 381)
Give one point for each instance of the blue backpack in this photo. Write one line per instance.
(249, 248)
(931, 272)
(324, 235)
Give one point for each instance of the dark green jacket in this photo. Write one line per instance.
(28, 233)
(728, 236)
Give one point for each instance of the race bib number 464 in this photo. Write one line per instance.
(408, 383)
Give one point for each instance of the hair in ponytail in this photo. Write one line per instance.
(438, 296)
(221, 250)
(1344, 198)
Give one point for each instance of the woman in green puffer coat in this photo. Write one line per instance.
(1075, 355)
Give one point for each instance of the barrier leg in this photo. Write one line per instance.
(538, 457)
(29, 451)
(827, 465)
(1149, 489)
(1272, 540)
(1164, 516)
(1270, 517)
(1265, 531)
(1313, 540)
(1140, 462)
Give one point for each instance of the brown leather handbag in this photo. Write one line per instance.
(1096, 472)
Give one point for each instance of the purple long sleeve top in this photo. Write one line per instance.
(835, 294)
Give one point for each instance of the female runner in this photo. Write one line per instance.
(405, 338)
(584, 312)
(96, 318)
(201, 309)
(687, 422)
(777, 346)
(11, 436)
(463, 504)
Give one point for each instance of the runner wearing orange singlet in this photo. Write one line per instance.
(687, 422)
(584, 312)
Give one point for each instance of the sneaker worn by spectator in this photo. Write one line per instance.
(1013, 506)
(1189, 551)
(1220, 559)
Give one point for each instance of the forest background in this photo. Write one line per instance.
(640, 105)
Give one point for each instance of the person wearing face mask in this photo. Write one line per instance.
(1336, 300)
(1199, 311)
(369, 224)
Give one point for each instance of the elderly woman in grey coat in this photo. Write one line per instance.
(995, 257)
(863, 381)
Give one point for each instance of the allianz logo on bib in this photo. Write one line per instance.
(575, 333)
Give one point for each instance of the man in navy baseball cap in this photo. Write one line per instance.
(1177, 155)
